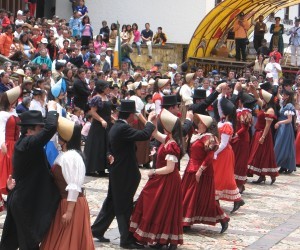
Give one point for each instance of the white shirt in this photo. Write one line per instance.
(36, 105)
(186, 94)
(139, 105)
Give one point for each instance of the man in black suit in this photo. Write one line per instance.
(81, 91)
(32, 203)
(124, 175)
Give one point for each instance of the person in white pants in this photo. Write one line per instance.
(295, 43)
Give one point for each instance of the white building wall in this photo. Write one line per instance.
(179, 19)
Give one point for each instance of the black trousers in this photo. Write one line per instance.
(257, 41)
(106, 216)
(240, 47)
(85, 40)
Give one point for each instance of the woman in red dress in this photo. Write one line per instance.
(240, 143)
(226, 188)
(71, 227)
(262, 158)
(9, 134)
(198, 187)
(157, 216)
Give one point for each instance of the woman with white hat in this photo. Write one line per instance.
(161, 88)
(198, 187)
(262, 158)
(157, 216)
(9, 134)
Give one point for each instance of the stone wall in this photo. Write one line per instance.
(169, 53)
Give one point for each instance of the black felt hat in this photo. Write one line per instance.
(127, 106)
(199, 94)
(265, 86)
(169, 101)
(247, 100)
(227, 106)
(31, 117)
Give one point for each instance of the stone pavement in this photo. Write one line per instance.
(270, 219)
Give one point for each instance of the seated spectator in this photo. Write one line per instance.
(18, 31)
(160, 38)
(98, 44)
(113, 34)
(263, 49)
(76, 58)
(276, 54)
(74, 23)
(147, 36)
(43, 59)
(5, 83)
(126, 49)
(104, 31)
(19, 19)
(6, 40)
(26, 46)
(137, 37)
(104, 65)
(82, 8)
(15, 53)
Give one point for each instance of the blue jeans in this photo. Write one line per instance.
(138, 46)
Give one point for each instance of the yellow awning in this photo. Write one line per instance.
(212, 31)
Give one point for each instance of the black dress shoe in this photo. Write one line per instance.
(157, 246)
(289, 171)
(186, 228)
(282, 170)
(131, 246)
(237, 205)
(172, 247)
(224, 226)
(102, 239)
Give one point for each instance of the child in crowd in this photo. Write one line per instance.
(86, 128)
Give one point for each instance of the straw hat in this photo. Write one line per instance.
(266, 96)
(20, 72)
(36, 27)
(151, 81)
(168, 120)
(189, 77)
(162, 82)
(65, 128)
(207, 120)
(28, 80)
(13, 94)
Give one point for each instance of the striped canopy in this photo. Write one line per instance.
(212, 31)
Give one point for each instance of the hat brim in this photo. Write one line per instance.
(169, 105)
(24, 124)
(124, 111)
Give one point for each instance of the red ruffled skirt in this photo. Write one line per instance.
(157, 216)
(262, 158)
(6, 167)
(241, 151)
(226, 188)
(199, 203)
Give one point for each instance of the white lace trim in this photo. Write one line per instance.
(228, 194)
(289, 112)
(269, 119)
(155, 237)
(260, 170)
(198, 137)
(172, 158)
(221, 124)
(241, 178)
(240, 110)
(201, 218)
